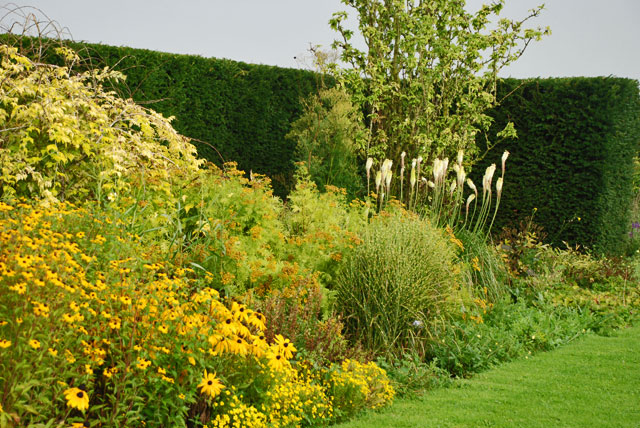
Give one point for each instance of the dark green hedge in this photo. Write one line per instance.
(238, 111)
(573, 159)
(234, 111)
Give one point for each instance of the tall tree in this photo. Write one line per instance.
(429, 70)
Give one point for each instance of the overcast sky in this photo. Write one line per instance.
(589, 37)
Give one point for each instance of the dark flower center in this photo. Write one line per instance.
(210, 383)
(278, 357)
(239, 340)
(80, 394)
(285, 344)
(228, 321)
(241, 309)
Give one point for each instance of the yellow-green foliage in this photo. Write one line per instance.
(84, 305)
(322, 227)
(233, 227)
(358, 386)
(329, 136)
(65, 137)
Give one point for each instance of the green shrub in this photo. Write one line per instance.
(411, 375)
(398, 283)
(322, 227)
(327, 135)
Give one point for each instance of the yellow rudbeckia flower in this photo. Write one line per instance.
(210, 385)
(77, 399)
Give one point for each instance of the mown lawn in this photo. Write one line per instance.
(594, 382)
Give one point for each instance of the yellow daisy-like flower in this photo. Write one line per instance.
(238, 346)
(277, 362)
(5, 343)
(285, 347)
(79, 425)
(114, 323)
(210, 385)
(77, 399)
(19, 288)
(34, 344)
(256, 319)
(69, 356)
(239, 312)
(143, 363)
(52, 352)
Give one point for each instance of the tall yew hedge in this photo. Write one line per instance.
(573, 158)
(234, 111)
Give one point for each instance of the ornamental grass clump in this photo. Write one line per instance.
(433, 193)
(401, 280)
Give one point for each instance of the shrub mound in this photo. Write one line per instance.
(397, 283)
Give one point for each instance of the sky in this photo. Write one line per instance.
(589, 37)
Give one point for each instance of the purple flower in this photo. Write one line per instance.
(635, 225)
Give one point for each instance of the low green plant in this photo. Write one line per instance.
(507, 331)
(411, 375)
(396, 285)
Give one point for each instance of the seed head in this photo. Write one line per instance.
(472, 186)
(505, 155)
(368, 166)
(488, 178)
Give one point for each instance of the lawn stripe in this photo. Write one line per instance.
(593, 382)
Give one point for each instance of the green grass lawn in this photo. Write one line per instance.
(594, 382)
